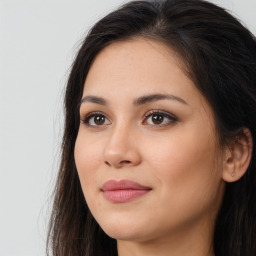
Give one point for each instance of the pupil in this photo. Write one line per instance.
(157, 119)
(99, 120)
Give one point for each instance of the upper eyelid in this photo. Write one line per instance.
(85, 117)
(163, 112)
(92, 113)
(173, 118)
(148, 113)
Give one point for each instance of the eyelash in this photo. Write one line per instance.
(87, 118)
(172, 118)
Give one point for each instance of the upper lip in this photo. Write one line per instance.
(112, 185)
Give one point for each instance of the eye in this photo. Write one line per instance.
(159, 118)
(95, 119)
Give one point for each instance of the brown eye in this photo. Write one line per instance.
(157, 119)
(95, 120)
(99, 120)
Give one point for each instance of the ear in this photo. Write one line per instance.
(237, 157)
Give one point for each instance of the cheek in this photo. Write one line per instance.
(87, 161)
(185, 160)
(188, 177)
(180, 149)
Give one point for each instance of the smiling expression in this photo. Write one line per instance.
(144, 121)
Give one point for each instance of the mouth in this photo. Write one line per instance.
(123, 190)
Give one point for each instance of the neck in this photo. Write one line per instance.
(194, 242)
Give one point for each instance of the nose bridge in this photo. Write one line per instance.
(119, 138)
(120, 148)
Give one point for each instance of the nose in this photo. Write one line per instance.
(121, 149)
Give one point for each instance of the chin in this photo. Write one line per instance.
(123, 230)
(125, 235)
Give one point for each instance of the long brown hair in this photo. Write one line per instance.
(219, 55)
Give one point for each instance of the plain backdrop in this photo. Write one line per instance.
(38, 41)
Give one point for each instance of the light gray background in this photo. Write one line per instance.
(38, 41)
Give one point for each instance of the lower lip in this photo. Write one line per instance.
(122, 196)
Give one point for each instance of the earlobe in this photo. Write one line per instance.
(237, 157)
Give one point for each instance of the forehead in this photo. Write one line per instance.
(131, 60)
(138, 67)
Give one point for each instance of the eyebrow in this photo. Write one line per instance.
(139, 101)
(155, 97)
(94, 99)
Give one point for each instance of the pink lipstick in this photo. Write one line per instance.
(123, 190)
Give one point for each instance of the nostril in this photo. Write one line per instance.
(107, 163)
(125, 162)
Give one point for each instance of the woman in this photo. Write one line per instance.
(158, 154)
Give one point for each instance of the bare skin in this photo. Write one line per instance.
(167, 144)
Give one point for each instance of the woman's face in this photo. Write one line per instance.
(146, 150)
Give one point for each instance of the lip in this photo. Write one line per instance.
(123, 190)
